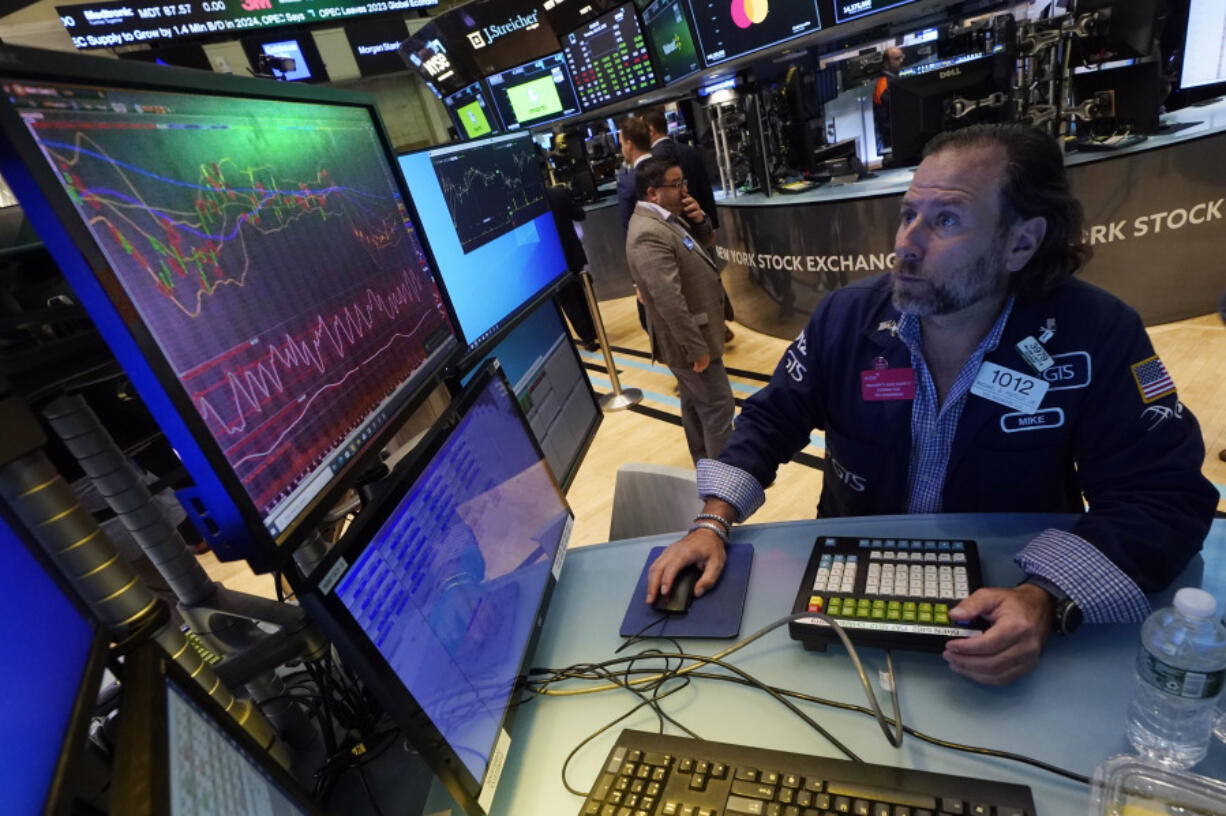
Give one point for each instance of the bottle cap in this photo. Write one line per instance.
(1195, 603)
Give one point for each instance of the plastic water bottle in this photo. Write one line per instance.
(1180, 670)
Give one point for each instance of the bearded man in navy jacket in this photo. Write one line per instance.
(903, 372)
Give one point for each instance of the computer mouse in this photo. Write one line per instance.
(678, 601)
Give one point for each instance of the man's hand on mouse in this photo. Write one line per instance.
(1020, 622)
(701, 547)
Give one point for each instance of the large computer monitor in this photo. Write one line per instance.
(436, 594)
(672, 42)
(178, 753)
(554, 391)
(534, 93)
(484, 210)
(249, 252)
(1204, 50)
(608, 58)
(923, 105)
(472, 112)
(55, 654)
(727, 30)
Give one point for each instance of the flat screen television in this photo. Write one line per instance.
(543, 367)
(248, 251)
(672, 42)
(1204, 50)
(308, 65)
(472, 112)
(486, 215)
(497, 34)
(57, 652)
(534, 93)
(728, 29)
(608, 59)
(436, 594)
(375, 45)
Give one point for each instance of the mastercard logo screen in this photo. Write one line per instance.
(728, 29)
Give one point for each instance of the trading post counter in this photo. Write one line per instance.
(1155, 218)
(1068, 712)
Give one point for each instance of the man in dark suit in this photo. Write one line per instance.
(636, 149)
(678, 283)
(566, 211)
(690, 160)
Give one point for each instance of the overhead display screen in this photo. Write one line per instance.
(444, 71)
(535, 93)
(672, 44)
(728, 29)
(847, 10)
(472, 112)
(112, 23)
(498, 34)
(608, 59)
(376, 46)
(567, 15)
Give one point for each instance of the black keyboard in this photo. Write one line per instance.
(887, 592)
(650, 774)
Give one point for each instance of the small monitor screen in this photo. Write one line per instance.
(375, 45)
(567, 15)
(49, 653)
(608, 59)
(450, 585)
(534, 93)
(672, 43)
(540, 361)
(484, 209)
(444, 71)
(288, 49)
(472, 112)
(210, 773)
(264, 249)
(847, 10)
(1204, 54)
(727, 30)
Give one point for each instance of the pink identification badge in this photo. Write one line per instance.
(882, 385)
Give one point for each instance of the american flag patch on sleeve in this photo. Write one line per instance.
(1153, 381)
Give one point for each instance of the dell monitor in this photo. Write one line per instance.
(727, 30)
(56, 652)
(436, 594)
(178, 753)
(925, 104)
(672, 43)
(471, 111)
(554, 391)
(485, 213)
(608, 59)
(249, 253)
(534, 93)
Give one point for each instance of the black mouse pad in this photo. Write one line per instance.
(715, 615)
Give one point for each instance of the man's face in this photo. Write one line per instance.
(625, 146)
(893, 59)
(950, 246)
(670, 194)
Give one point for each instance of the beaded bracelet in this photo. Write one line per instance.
(727, 524)
(713, 528)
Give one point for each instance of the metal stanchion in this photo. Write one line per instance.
(620, 398)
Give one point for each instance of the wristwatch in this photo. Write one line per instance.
(1067, 614)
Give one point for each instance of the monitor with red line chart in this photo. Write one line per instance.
(264, 261)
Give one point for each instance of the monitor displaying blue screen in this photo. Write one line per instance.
(47, 652)
(449, 587)
(289, 49)
(486, 216)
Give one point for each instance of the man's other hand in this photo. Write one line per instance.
(701, 547)
(700, 365)
(1020, 621)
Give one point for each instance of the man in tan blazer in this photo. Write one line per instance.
(667, 252)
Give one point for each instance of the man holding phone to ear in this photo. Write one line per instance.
(667, 252)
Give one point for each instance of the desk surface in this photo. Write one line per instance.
(1069, 712)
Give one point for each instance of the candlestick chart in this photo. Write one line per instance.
(269, 256)
(490, 192)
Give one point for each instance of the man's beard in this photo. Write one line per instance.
(963, 286)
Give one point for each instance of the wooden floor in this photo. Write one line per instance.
(1194, 352)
